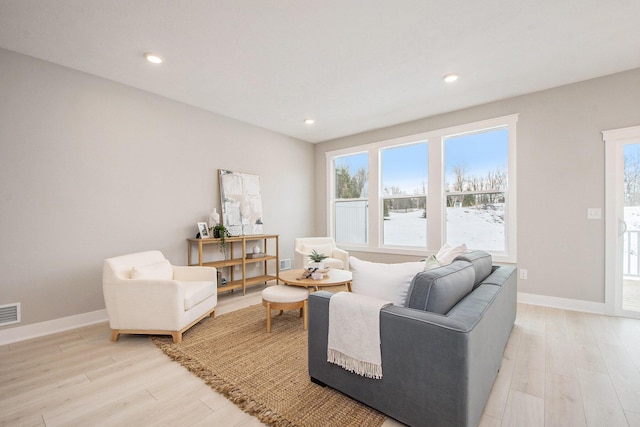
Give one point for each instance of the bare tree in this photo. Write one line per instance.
(632, 178)
(459, 178)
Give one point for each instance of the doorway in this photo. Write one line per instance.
(622, 229)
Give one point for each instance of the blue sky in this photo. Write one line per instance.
(404, 167)
(479, 153)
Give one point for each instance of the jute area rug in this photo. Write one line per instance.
(265, 374)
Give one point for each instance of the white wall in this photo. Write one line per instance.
(91, 169)
(560, 164)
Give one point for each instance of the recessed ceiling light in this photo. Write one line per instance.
(309, 121)
(450, 78)
(154, 58)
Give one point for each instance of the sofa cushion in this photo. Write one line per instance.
(157, 271)
(197, 291)
(440, 289)
(482, 264)
(389, 282)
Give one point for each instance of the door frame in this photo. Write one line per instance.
(614, 141)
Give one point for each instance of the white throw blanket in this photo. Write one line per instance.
(354, 333)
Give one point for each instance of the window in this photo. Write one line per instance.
(350, 198)
(476, 186)
(404, 195)
(413, 194)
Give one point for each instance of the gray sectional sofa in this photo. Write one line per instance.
(440, 353)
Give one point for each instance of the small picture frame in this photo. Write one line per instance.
(203, 229)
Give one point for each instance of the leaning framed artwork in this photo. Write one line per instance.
(241, 202)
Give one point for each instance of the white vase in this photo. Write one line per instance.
(318, 265)
(214, 218)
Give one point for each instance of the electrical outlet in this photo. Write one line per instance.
(524, 274)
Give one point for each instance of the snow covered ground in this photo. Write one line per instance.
(631, 246)
(632, 217)
(477, 228)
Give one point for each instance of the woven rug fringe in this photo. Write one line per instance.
(229, 391)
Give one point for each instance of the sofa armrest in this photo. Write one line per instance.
(133, 302)
(342, 255)
(195, 273)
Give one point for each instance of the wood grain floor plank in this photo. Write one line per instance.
(178, 412)
(523, 410)
(109, 413)
(26, 401)
(529, 369)
(488, 421)
(497, 401)
(603, 330)
(633, 418)
(27, 419)
(563, 402)
(579, 328)
(601, 404)
(52, 373)
(624, 375)
(559, 357)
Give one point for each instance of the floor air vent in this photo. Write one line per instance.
(285, 264)
(9, 314)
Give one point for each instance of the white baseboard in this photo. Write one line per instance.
(35, 330)
(563, 303)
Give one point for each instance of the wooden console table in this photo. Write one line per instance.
(270, 253)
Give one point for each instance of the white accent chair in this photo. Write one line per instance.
(145, 294)
(303, 246)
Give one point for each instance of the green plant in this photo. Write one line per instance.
(316, 257)
(220, 232)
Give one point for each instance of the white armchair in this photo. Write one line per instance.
(145, 294)
(303, 247)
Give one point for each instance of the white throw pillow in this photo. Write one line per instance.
(159, 271)
(431, 262)
(389, 282)
(447, 253)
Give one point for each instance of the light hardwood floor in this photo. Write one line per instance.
(560, 368)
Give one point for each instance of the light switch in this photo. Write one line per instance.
(594, 213)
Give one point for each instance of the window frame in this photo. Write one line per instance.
(436, 191)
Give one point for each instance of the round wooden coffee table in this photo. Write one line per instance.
(333, 278)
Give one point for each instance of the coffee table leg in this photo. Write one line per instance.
(305, 318)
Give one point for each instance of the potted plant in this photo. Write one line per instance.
(316, 260)
(221, 232)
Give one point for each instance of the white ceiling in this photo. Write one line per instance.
(353, 65)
